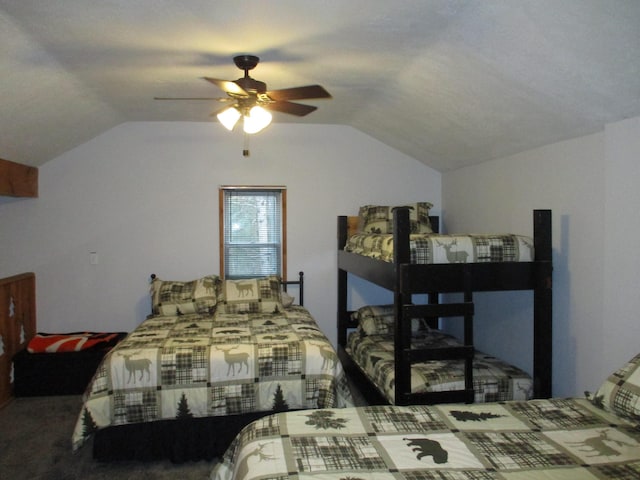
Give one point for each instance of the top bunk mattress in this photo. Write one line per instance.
(428, 248)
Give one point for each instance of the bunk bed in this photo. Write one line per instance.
(406, 279)
(214, 356)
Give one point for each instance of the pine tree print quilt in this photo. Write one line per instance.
(493, 379)
(427, 248)
(199, 365)
(563, 439)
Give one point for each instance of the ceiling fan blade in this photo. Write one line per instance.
(298, 93)
(290, 108)
(219, 99)
(220, 110)
(227, 86)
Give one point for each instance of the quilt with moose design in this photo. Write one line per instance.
(557, 439)
(493, 379)
(200, 365)
(427, 248)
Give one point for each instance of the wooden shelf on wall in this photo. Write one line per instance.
(17, 180)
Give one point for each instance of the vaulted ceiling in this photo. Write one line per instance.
(448, 82)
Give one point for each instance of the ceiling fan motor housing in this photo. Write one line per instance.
(246, 62)
(251, 85)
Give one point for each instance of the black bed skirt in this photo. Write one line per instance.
(179, 440)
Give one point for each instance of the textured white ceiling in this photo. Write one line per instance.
(450, 83)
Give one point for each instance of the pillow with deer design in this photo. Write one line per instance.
(251, 295)
(379, 218)
(180, 298)
(620, 392)
(380, 319)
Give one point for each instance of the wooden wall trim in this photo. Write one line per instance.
(17, 180)
(17, 325)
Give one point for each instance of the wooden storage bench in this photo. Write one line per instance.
(66, 373)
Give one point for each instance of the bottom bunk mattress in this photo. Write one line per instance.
(560, 439)
(493, 379)
(190, 366)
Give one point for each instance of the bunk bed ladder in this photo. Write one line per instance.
(405, 311)
(406, 355)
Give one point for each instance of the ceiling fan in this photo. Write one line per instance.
(251, 100)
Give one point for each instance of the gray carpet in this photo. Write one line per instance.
(35, 443)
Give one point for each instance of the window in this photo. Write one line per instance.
(253, 231)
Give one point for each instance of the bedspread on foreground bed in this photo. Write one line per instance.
(440, 248)
(567, 439)
(493, 379)
(195, 365)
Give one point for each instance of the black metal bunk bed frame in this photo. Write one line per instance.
(406, 279)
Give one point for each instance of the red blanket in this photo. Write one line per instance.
(70, 342)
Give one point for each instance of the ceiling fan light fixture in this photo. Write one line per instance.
(248, 95)
(257, 119)
(229, 117)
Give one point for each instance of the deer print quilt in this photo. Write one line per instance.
(198, 365)
(438, 248)
(564, 439)
(493, 379)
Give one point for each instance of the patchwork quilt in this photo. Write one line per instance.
(493, 379)
(557, 439)
(199, 365)
(440, 248)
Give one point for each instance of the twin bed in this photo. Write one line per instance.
(552, 439)
(214, 356)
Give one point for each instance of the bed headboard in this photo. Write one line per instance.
(352, 225)
(17, 323)
(299, 283)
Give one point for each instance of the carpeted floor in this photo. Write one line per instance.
(35, 443)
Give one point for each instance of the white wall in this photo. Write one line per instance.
(144, 196)
(621, 276)
(590, 183)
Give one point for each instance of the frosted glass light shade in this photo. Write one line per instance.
(229, 117)
(257, 119)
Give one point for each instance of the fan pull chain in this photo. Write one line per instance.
(245, 150)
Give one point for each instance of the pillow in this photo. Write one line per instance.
(620, 393)
(179, 298)
(380, 319)
(251, 295)
(287, 300)
(379, 219)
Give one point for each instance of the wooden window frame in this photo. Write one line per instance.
(283, 203)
